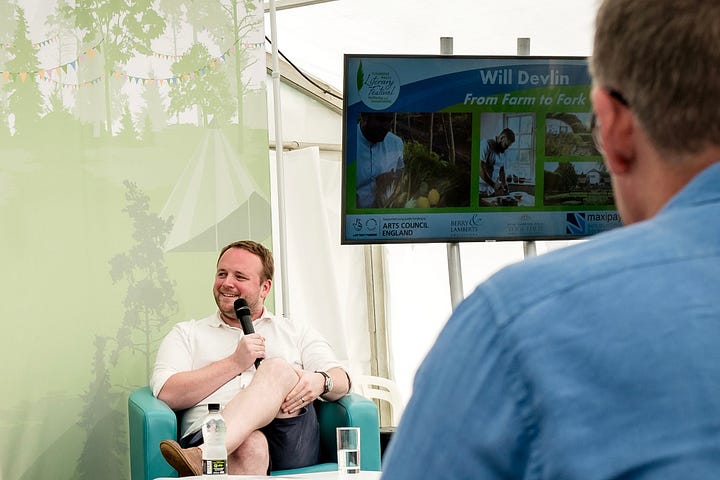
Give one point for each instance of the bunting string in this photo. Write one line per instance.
(49, 41)
(86, 54)
(36, 46)
(48, 73)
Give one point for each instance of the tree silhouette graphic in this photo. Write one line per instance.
(148, 303)
(124, 29)
(208, 89)
(25, 99)
(104, 420)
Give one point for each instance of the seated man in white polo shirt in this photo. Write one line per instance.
(268, 410)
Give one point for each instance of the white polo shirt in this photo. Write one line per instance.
(195, 344)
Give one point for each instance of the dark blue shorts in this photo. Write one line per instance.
(293, 442)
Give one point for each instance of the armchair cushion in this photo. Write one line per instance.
(151, 421)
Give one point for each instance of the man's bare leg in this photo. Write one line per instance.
(251, 457)
(259, 403)
(251, 409)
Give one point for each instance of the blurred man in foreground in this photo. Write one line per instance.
(601, 360)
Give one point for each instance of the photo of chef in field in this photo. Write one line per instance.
(506, 163)
(413, 159)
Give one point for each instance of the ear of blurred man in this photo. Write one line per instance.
(627, 155)
(617, 131)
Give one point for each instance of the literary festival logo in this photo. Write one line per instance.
(378, 85)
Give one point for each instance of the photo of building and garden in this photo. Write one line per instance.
(577, 184)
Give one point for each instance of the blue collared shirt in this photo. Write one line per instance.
(595, 362)
(374, 159)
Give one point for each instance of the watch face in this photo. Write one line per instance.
(328, 381)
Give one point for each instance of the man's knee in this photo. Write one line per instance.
(278, 369)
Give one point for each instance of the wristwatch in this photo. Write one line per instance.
(328, 382)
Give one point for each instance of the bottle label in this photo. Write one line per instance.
(214, 467)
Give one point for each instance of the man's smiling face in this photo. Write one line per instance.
(239, 274)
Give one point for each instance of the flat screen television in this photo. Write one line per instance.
(451, 148)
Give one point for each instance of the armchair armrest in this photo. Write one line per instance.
(352, 410)
(150, 421)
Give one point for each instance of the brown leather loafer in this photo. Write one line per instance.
(187, 461)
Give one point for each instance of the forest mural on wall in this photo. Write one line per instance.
(133, 145)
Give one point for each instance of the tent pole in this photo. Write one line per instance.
(282, 231)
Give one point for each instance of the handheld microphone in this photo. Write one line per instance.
(242, 312)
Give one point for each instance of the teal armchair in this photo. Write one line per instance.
(151, 421)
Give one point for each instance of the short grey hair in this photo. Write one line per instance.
(663, 56)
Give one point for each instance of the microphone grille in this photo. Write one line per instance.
(241, 304)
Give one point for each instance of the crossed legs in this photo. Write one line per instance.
(253, 408)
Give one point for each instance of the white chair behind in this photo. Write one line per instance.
(382, 389)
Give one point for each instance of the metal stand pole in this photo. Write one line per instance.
(453, 249)
(523, 49)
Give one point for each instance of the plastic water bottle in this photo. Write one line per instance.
(214, 453)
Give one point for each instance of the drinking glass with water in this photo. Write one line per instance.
(348, 450)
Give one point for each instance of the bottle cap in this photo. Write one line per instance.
(213, 407)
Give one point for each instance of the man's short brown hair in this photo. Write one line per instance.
(266, 258)
(508, 134)
(663, 56)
